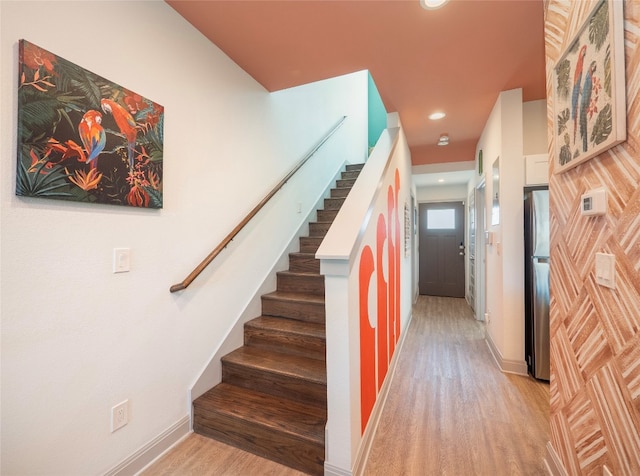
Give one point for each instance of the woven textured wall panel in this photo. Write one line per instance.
(595, 331)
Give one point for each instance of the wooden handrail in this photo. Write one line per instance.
(223, 244)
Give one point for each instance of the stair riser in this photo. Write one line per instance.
(265, 442)
(333, 203)
(327, 215)
(278, 385)
(303, 311)
(319, 228)
(348, 183)
(310, 244)
(339, 192)
(350, 175)
(291, 283)
(352, 167)
(295, 344)
(303, 264)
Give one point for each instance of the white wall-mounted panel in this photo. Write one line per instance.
(536, 169)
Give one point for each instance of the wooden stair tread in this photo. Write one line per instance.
(313, 238)
(301, 274)
(295, 297)
(286, 416)
(303, 254)
(292, 366)
(291, 326)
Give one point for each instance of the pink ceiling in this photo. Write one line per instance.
(457, 58)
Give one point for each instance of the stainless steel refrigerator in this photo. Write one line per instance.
(536, 238)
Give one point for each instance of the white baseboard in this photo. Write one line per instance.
(330, 470)
(518, 367)
(152, 450)
(553, 463)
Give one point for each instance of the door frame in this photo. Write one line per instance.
(459, 204)
(470, 247)
(481, 251)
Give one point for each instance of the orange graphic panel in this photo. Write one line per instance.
(368, 391)
(383, 324)
(391, 200)
(397, 259)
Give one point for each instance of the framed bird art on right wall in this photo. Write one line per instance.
(589, 98)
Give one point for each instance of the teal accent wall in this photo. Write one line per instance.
(377, 113)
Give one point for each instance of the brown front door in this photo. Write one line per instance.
(442, 249)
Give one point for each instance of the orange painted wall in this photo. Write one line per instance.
(377, 344)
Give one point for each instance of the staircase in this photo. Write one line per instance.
(273, 397)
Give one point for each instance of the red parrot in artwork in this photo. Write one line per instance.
(587, 91)
(577, 79)
(125, 123)
(92, 136)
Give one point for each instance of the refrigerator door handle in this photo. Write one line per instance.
(541, 316)
(534, 226)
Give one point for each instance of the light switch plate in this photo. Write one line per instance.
(606, 270)
(121, 260)
(488, 237)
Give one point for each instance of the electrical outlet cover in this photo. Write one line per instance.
(119, 415)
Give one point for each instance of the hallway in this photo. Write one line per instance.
(450, 411)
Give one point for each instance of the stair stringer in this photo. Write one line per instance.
(211, 374)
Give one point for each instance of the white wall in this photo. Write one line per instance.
(77, 339)
(535, 127)
(511, 226)
(503, 138)
(442, 193)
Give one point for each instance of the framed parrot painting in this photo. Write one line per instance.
(84, 138)
(589, 89)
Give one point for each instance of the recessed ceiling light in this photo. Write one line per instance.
(437, 115)
(440, 180)
(432, 4)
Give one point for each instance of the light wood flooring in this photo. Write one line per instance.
(450, 411)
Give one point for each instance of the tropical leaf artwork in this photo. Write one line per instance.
(84, 138)
(602, 127)
(588, 87)
(563, 118)
(563, 72)
(599, 26)
(607, 71)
